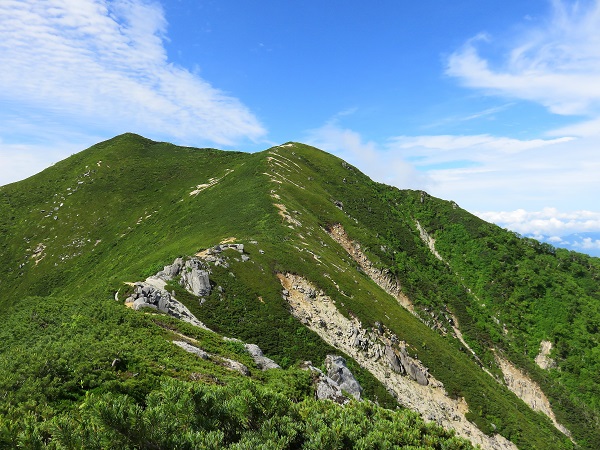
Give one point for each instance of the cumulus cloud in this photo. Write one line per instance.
(556, 64)
(101, 64)
(587, 244)
(546, 222)
(480, 172)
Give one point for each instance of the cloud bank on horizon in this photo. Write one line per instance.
(556, 64)
(77, 72)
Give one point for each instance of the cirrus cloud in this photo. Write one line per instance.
(556, 64)
(102, 65)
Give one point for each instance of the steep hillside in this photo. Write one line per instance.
(433, 309)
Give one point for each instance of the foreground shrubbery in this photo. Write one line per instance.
(245, 415)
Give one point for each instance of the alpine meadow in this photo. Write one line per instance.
(154, 296)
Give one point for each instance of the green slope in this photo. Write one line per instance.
(124, 210)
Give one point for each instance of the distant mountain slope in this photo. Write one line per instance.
(477, 329)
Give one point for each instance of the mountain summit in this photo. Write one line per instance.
(157, 296)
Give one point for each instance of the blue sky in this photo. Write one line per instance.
(493, 104)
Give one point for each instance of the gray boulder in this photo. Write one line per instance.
(393, 360)
(262, 362)
(170, 272)
(235, 365)
(194, 278)
(341, 375)
(148, 296)
(191, 349)
(325, 387)
(414, 368)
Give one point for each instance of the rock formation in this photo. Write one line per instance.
(341, 375)
(225, 362)
(381, 277)
(194, 278)
(262, 362)
(388, 360)
(146, 295)
(338, 381)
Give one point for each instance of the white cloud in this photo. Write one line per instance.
(586, 128)
(483, 172)
(480, 172)
(481, 142)
(370, 157)
(546, 222)
(19, 161)
(587, 244)
(556, 64)
(102, 64)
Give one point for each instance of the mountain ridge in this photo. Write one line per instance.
(159, 202)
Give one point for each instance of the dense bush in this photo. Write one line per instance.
(185, 415)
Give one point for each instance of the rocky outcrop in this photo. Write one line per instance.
(225, 362)
(213, 255)
(528, 391)
(380, 276)
(386, 358)
(341, 375)
(152, 294)
(146, 295)
(235, 365)
(428, 240)
(261, 361)
(170, 272)
(192, 349)
(338, 381)
(194, 278)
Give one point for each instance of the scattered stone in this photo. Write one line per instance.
(261, 360)
(192, 349)
(235, 366)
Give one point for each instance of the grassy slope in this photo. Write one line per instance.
(136, 203)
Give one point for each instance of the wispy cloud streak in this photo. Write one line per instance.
(102, 65)
(556, 64)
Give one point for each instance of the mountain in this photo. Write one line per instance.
(138, 277)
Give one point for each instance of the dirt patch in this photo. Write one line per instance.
(543, 359)
(384, 280)
(368, 348)
(286, 216)
(528, 391)
(211, 183)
